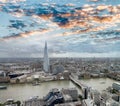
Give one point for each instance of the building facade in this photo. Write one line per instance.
(46, 59)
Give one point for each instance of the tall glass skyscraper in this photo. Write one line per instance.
(46, 59)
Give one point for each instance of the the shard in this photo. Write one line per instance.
(46, 59)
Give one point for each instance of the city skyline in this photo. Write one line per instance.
(75, 28)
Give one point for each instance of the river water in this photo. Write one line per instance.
(98, 83)
(25, 91)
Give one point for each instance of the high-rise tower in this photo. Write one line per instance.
(46, 59)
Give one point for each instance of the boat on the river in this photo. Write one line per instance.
(14, 75)
(36, 83)
(3, 87)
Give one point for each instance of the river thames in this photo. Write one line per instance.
(25, 91)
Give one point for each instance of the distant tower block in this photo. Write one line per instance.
(46, 59)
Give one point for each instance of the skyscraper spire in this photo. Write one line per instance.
(46, 59)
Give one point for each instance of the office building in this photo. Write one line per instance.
(46, 60)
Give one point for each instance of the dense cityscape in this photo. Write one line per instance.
(38, 71)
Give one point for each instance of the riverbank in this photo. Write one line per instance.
(24, 91)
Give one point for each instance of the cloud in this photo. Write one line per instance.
(26, 34)
(94, 0)
(69, 28)
(11, 1)
(110, 40)
(18, 24)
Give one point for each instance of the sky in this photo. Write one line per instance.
(71, 28)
